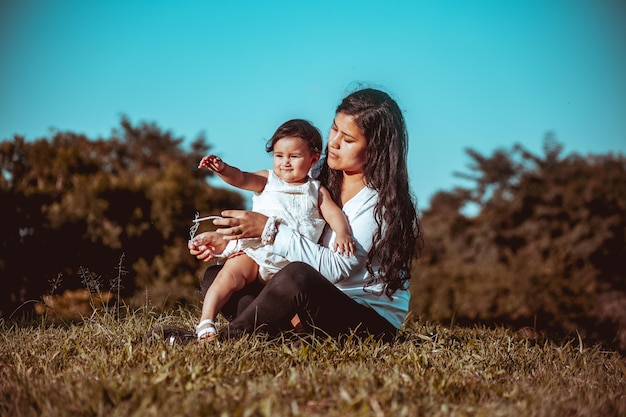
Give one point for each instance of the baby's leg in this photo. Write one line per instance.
(238, 271)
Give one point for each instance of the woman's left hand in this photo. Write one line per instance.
(241, 224)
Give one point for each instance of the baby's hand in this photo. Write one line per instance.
(212, 162)
(344, 245)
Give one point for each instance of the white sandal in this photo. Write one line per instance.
(206, 329)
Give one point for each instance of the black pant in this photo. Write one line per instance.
(299, 289)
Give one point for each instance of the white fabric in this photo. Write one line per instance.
(349, 274)
(296, 206)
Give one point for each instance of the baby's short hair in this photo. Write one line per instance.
(298, 128)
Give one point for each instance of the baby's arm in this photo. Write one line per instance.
(337, 221)
(234, 176)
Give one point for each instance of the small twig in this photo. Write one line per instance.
(193, 229)
(206, 218)
(196, 223)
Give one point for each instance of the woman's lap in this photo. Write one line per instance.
(300, 289)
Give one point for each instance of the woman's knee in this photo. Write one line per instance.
(295, 279)
(298, 274)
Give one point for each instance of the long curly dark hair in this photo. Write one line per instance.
(398, 237)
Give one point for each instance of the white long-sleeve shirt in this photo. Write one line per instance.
(349, 274)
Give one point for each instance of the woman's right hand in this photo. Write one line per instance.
(207, 246)
(240, 224)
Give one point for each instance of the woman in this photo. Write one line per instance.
(365, 170)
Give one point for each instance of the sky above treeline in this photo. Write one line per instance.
(467, 74)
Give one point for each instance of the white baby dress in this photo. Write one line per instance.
(296, 206)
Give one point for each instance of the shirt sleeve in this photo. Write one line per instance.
(332, 265)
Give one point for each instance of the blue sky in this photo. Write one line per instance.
(477, 74)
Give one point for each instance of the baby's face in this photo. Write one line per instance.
(293, 159)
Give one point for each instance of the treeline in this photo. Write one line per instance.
(75, 209)
(547, 248)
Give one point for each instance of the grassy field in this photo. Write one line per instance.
(98, 367)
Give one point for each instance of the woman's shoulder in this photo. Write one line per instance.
(365, 196)
(362, 204)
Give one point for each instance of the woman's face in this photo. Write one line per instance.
(346, 145)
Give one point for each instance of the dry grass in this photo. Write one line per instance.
(97, 368)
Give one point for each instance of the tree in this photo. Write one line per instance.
(70, 203)
(546, 248)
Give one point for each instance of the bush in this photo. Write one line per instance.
(70, 203)
(546, 248)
